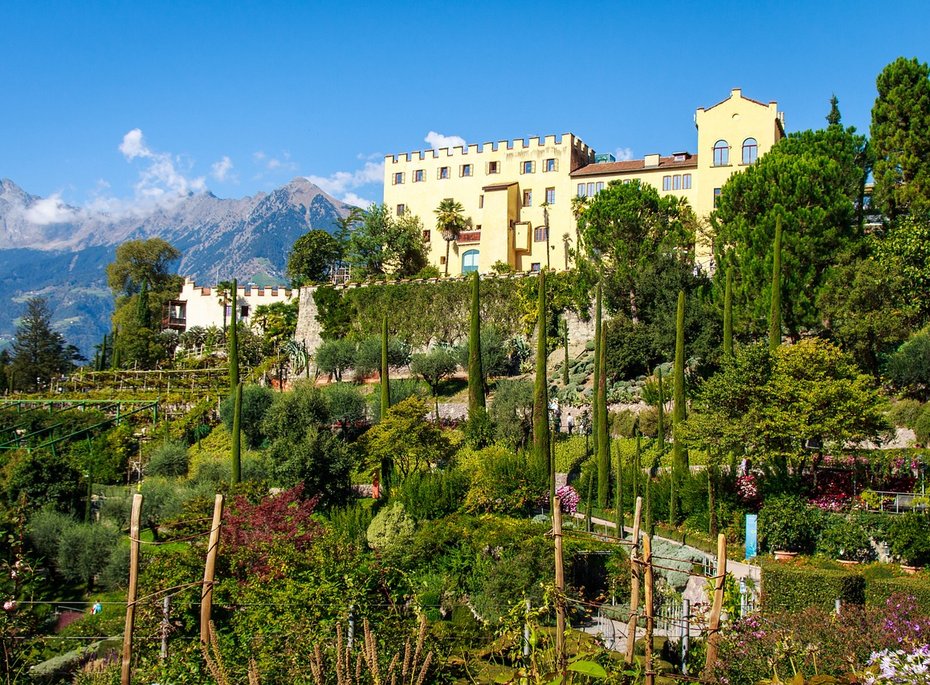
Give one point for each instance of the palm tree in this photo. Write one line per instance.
(224, 294)
(450, 221)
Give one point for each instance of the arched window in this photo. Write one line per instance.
(750, 150)
(721, 153)
(469, 261)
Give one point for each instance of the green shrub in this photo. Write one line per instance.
(499, 481)
(879, 590)
(845, 538)
(922, 426)
(905, 412)
(909, 538)
(512, 411)
(168, 459)
(84, 550)
(391, 527)
(256, 400)
(433, 494)
(45, 530)
(909, 367)
(368, 356)
(401, 389)
(794, 586)
(788, 523)
(569, 453)
(333, 357)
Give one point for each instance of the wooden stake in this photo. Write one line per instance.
(650, 608)
(719, 581)
(206, 592)
(559, 586)
(131, 593)
(634, 581)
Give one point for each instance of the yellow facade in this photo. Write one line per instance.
(512, 190)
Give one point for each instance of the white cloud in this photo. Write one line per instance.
(220, 170)
(438, 140)
(133, 145)
(623, 154)
(341, 182)
(50, 210)
(353, 199)
(161, 181)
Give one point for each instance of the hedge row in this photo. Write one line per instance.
(792, 587)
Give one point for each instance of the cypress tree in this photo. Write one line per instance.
(603, 451)
(660, 433)
(565, 378)
(597, 359)
(728, 316)
(775, 314)
(387, 464)
(648, 524)
(541, 389)
(679, 453)
(234, 339)
(385, 379)
(237, 436)
(587, 508)
(115, 357)
(637, 464)
(475, 369)
(711, 495)
(618, 496)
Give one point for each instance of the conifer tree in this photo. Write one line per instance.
(237, 436)
(618, 496)
(775, 313)
(234, 339)
(115, 357)
(679, 453)
(565, 376)
(541, 389)
(387, 464)
(728, 316)
(385, 374)
(603, 453)
(476, 400)
(637, 464)
(597, 356)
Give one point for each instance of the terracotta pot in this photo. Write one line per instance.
(782, 555)
(911, 570)
(847, 562)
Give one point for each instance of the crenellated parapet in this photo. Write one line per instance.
(553, 142)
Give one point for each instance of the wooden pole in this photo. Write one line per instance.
(559, 586)
(634, 581)
(134, 526)
(650, 620)
(206, 592)
(719, 581)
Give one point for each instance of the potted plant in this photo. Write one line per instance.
(788, 526)
(846, 540)
(910, 540)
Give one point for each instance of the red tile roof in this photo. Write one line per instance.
(634, 165)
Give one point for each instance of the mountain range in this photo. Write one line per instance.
(60, 252)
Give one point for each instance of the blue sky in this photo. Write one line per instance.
(109, 104)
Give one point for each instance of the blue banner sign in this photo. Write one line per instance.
(752, 535)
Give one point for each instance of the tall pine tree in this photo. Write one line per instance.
(541, 387)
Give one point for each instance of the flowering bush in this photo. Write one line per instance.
(900, 666)
(569, 498)
(747, 487)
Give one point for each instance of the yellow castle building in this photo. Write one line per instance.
(517, 195)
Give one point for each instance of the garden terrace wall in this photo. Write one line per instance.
(429, 311)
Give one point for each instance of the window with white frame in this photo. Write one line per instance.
(527, 167)
(550, 196)
(419, 176)
(527, 198)
(466, 169)
(550, 164)
(443, 172)
(398, 178)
